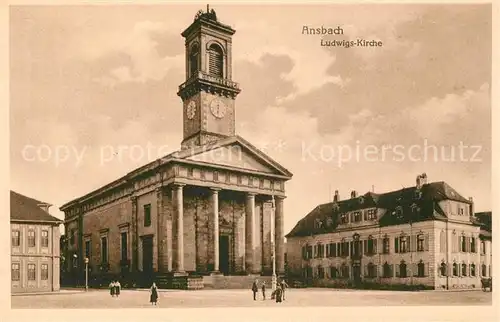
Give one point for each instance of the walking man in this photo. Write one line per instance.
(255, 289)
(263, 291)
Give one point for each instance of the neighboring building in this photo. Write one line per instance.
(34, 245)
(204, 209)
(426, 235)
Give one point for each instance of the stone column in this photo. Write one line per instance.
(279, 237)
(250, 233)
(215, 213)
(135, 236)
(179, 218)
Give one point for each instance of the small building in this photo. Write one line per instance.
(34, 245)
(425, 235)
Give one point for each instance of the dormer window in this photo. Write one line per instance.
(361, 200)
(215, 61)
(344, 219)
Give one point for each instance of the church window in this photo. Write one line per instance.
(215, 61)
(147, 215)
(194, 57)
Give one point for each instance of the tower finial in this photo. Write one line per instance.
(208, 8)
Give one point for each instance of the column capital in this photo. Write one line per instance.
(133, 198)
(178, 185)
(251, 194)
(215, 189)
(280, 197)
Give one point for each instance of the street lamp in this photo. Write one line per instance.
(75, 256)
(86, 274)
(273, 248)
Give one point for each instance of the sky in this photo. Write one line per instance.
(87, 80)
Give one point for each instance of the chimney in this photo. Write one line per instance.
(354, 194)
(471, 207)
(336, 196)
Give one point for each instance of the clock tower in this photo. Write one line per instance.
(208, 94)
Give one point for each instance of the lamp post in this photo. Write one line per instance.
(75, 268)
(273, 248)
(86, 274)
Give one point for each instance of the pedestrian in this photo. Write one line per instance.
(118, 287)
(263, 291)
(284, 286)
(255, 289)
(154, 294)
(112, 288)
(279, 294)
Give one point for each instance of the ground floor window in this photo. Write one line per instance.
(442, 269)
(403, 269)
(483, 270)
(31, 272)
(16, 272)
(344, 271)
(333, 272)
(44, 272)
(464, 269)
(321, 272)
(455, 269)
(371, 270)
(387, 270)
(420, 269)
(472, 269)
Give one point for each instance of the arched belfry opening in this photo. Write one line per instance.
(194, 59)
(215, 61)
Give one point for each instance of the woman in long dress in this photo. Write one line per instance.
(117, 288)
(279, 294)
(154, 294)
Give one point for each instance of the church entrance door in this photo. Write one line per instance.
(224, 254)
(147, 255)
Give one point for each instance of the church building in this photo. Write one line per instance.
(201, 212)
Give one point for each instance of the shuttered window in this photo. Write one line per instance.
(215, 61)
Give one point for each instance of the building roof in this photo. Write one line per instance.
(413, 206)
(184, 156)
(27, 209)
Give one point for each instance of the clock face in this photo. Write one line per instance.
(218, 108)
(191, 110)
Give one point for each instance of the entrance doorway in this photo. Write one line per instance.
(224, 254)
(147, 255)
(356, 273)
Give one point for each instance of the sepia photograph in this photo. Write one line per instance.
(250, 155)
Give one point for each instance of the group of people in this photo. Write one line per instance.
(114, 288)
(278, 294)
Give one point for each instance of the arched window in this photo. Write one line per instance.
(215, 61)
(472, 269)
(442, 269)
(464, 269)
(483, 270)
(402, 269)
(421, 269)
(387, 270)
(455, 269)
(194, 58)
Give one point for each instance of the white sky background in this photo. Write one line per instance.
(91, 77)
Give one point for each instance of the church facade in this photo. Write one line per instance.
(203, 210)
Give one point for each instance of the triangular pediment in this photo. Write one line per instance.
(236, 153)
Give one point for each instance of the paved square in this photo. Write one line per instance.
(243, 298)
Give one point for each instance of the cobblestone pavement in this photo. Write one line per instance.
(243, 298)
